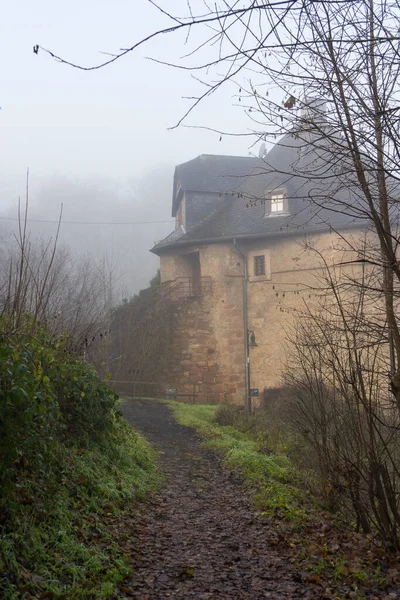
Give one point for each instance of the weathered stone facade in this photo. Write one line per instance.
(237, 266)
(208, 350)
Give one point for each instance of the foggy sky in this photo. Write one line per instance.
(99, 141)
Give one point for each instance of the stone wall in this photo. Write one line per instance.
(276, 302)
(196, 367)
(208, 347)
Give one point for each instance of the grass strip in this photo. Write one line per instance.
(69, 535)
(326, 551)
(271, 477)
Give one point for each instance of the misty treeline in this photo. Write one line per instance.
(112, 220)
(48, 284)
(77, 299)
(327, 75)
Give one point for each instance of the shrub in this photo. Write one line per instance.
(87, 405)
(29, 413)
(45, 394)
(70, 470)
(275, 431)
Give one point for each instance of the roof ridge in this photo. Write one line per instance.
(234, 156)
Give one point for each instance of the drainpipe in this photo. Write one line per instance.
(245, 327)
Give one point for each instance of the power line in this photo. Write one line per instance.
(88, 222)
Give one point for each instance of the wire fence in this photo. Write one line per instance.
(150, 389)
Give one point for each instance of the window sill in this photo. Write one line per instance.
(277, 214)
(255, 278)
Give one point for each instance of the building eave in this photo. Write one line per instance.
(256, 236)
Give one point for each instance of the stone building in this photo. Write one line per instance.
(237, 269)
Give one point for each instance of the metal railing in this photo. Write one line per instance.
(185, 287)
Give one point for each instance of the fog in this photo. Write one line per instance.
(100, 142)
(116, 222)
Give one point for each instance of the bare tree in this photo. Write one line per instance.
(40, 280)
(341, 402)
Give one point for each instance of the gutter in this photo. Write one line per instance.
(245, 327)
(270, 235)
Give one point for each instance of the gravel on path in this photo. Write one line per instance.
(199, 537)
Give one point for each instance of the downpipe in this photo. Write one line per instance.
(245, 328)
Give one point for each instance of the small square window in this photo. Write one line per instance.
(276, 203)
(259, 265)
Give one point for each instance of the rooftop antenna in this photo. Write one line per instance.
(261, 152)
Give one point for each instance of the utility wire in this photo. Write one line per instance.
(90, 222)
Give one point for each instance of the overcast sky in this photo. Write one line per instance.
(103, 131)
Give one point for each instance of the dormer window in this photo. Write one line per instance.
(276, 203)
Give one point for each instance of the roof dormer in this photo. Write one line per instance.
(276, 203)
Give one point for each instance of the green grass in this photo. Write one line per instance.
(271, 477)
(276, 487)
(71, 472)
(68, 536)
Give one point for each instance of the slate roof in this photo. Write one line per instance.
(211, 173)
(242, 214)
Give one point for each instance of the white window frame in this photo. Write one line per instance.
(277, 203)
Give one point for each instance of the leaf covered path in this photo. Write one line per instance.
(199, 537)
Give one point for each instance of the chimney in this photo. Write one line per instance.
(312, 114)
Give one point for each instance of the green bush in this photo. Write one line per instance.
(29, 412)
(88, 407)
(70, 470)
(45, 394)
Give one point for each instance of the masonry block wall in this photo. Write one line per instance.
(208, 348)
(276, 302)
(208, 343)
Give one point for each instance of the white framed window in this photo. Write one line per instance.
(277, 203)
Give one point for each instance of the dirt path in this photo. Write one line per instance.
(199, 537)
